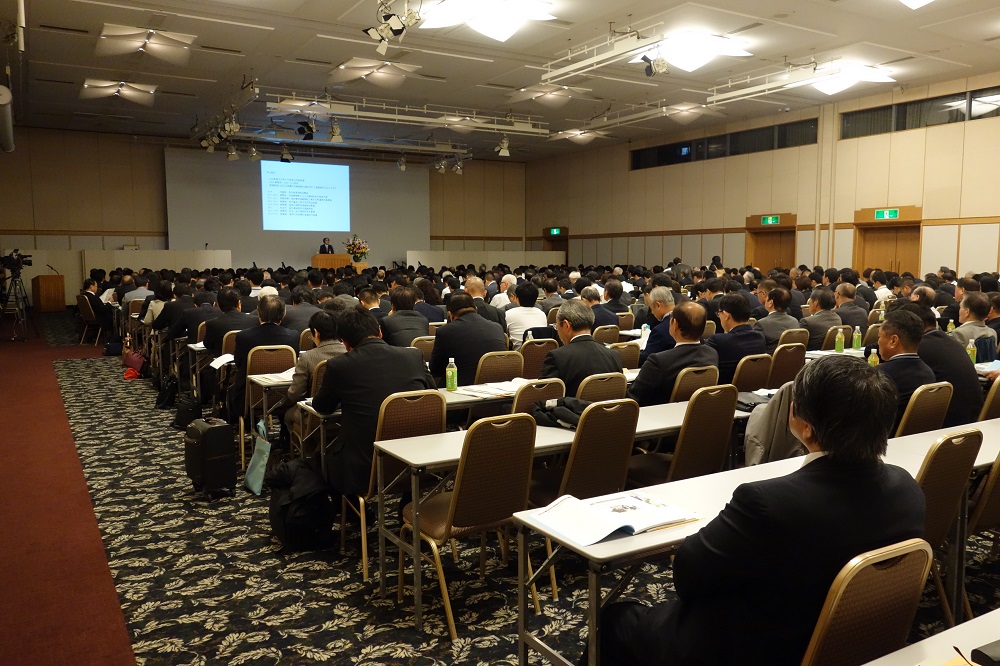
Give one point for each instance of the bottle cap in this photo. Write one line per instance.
(451, 360)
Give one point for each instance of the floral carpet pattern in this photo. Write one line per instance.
(204, 583)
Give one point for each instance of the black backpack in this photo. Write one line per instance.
(301, 512)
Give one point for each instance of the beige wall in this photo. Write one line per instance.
(481, 210)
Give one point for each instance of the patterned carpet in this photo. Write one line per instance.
(205, 583)
(60, 329)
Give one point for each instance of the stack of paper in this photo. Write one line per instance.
(276, 377)
(222, 360)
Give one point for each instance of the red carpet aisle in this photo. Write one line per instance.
(58, 601)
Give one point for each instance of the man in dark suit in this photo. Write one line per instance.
(661, 304)
(474, 287)
(270, 311)
(847, 309)
(103, 312)
(403, 324)
(777, 320)
(231, 319)
(950, 313)
(187, 325)
(681, 270)
(357, 382)
(898, 341)
(714, 290)
(821, 318)
(552, 298)
(759, 572)
(739, 339)
(614, 297)
(602, 316)
(172, 311)
(580, 356)
(326, 248)
(302, 309)
(466, 338)
(371, 302)
(656, 378)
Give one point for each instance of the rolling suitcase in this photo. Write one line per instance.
(210, 457)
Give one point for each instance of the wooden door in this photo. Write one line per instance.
(908, 250)
(878, 248)
(773, 248)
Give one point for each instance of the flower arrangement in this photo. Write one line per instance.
(356, 247)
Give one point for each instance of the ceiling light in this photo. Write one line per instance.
(231, 154)
(171, 47)
(140, 93)
(503, 148)
(286, 156)
(654, 67)
(306, 129)
(841, 76)
(441, 166)
(335, 136)
(458, 167)
(496, 19)
(210, 148)
(689, 50)
(916, 4)
(390, 25)
(401, 163)
(254, 155)
(376, 72)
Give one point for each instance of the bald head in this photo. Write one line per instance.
(475, 287)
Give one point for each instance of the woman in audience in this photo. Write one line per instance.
(162, 294)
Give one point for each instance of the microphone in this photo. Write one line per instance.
(206, 246)
(53, 269)
(282, 264)
(255, 264)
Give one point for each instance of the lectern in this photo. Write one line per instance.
(48, 293)
(330, 260)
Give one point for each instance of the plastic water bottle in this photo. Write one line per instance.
(529, 336)
(873, 359)
(970, 349)
(451, 376)
(644, 332)
(881, 315)
(951, 325)
(856, 339)
(839, 345)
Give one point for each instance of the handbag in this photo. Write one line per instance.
(167, 396)
(254, 477)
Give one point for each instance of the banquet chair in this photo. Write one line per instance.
(786, 361)
(537, 389)
(629, 352)
(691, 379)
(425, 343)
(794, 336)
(752, 372)
(991, 405)
(830, 341)
(534, 353)
(926, 409)
(262, 360)
(606, 335)
(603, 386)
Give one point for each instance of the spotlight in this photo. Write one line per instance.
(285, 155)
(231, 153)
(335, 136)
(654, 67)
(210, 148)
(401, 163)
(503, 148)
(441, 166)
(307, 128)
(254, 155)
(458, 167)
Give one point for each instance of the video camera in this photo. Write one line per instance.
(15, 261)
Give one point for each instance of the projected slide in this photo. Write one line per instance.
(297, 196)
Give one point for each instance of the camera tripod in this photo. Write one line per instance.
(15, 301)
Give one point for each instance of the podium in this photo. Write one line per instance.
(330, 260)
(48, 293)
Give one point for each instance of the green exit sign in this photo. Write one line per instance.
(770, 219)
(887, 214)
(555, 231)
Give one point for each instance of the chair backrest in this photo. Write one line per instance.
(200, 336)
(871, 335)
(265, 360)
(86, 312)
(405, 414)
(629, 352)
(606, 335)
(432, 327)
(870, 607)
(875, 316)
(943, 477)
(986, 514)
(752, 372)
(538, 389)
(603, 386)
(306, 341)
(709, 330)
(534, 353)
(499, 366)
(626, 320)
(598, 459)
(425, 343)
(752, 321)
(793, 336)
(926, 409)
(830, 341)
(229, 342)
(134, 307)
(691, 379)
(494, 472)
(703, 444)
(986, 349)
(311, 422)
(991, 406)
(786, 361)
(550, 318)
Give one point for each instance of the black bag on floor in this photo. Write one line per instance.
(167, 396)
(113, 348)
(210, 456)
(188, 409)
(301, 512)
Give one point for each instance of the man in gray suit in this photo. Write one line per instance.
(552, 298)
(848, 310)
(302, 309)
(323, 325)
(822, 317)
(777, 320)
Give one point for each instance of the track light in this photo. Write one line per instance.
(307, 128)
(441, 166)
(655, 66)
(210, 148)
(285, 155)
(231, 153)
(335, 136)
(458, 167)
(503, 148)
(401, 163)
(254, 155)
(391, 25)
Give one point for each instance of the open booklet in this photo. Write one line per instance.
(494, 389)
(585, 522)
(108, 293)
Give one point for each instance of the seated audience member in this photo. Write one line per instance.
(429, 302)
(658, 374)
(125, 287)
(602, 316)
(880, 285)
(270, 312)
(962, 287)
(403, 323)
(466, 338)
(187, 326)
(103, 312)
(552, 298)
(758, 299)
(739, 339)
(474, 287)
(303, 307)
(847, 309)
(950, 363)
(580, 356)
(714, 291)
(972, 314)
(173, 310)
(230, 319)
(777, 320)
(369, 299)
(614, 297)
(524, 314)
(139, 293)
(358, 382)
(898, 341)
(501, 300)
(821, 318)
(759, 572)
(162, 294)
(993, 318)
(323, 327)
(661, 305)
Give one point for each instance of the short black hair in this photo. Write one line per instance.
(357, 324)
(270, 309)
(968, 284)
(780, 298)
(904, 324)
(527, 294)
(204, 297)
(823, 297)
(402, 298)
(925, 314)
(737, 306)
(977, 303)
(461, 301)
(715, 285)
(228, 299)
(614, 289)
(325, 323)
(862, 391)
(303, 294)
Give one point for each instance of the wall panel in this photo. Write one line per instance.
(734, 249)
(713, 194)
(759, 183)
(785, 181)
(692, 198)
(943, 176)
(711, 245)
(980, 194)
(845, 181)
(938, 247)
(653, 252)
(805, 250)
(636, 250)
(691, 250)
(873, 172)
(843, 248)
(672, 248)
(977, 248)
(906, 168)
(735, 206)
